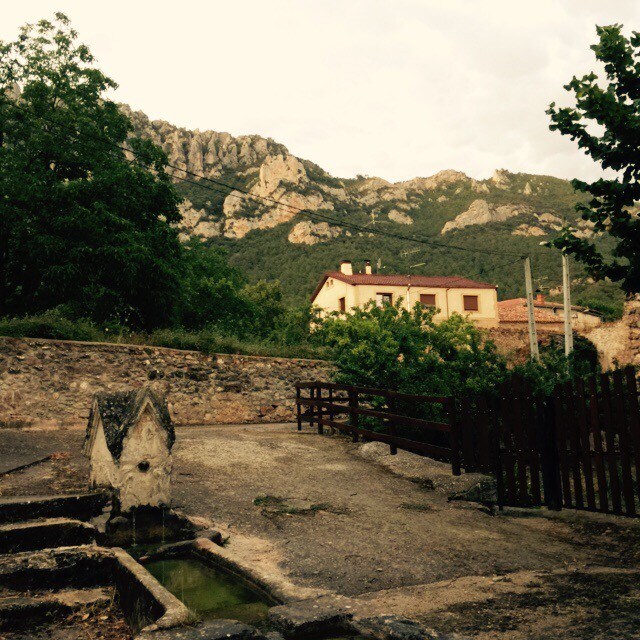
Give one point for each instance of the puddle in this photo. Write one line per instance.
(208, 592)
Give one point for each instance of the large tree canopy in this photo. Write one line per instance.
(82, 226)
(606, 124)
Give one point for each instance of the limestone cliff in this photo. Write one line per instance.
(272, 185)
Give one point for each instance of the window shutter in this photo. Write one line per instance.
(470, 303)
(428, 299)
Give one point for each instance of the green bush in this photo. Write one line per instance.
(51, 324)
(390, 347)
(56, 326)
(393, 348)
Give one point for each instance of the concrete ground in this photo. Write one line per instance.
(335, 516)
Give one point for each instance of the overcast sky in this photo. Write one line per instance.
(394, 88)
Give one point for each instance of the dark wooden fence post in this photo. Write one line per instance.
(549, 459)
(331, 402)
(454, 436)
(298, 408)
(312, 408)
(495, 449)
(595, 424)
(392, 404)
(634, 420)
(353, 416)
(610, 443)
(320, 412)
(621, 421)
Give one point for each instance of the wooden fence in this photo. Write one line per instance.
(378, 415)
(577, 448)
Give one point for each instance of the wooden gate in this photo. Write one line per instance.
(579, 448)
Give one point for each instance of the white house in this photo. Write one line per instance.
(129, 439)
(344, 290)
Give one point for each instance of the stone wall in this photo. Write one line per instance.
(513, 342)
(50, 383)
(618, 343)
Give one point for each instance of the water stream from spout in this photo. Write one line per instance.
(133, 527)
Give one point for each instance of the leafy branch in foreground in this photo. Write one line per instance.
(605, 122)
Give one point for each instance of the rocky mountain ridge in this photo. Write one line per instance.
(268, 172)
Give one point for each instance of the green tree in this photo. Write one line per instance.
(605, 123)
(81, 227)
(391, 347)
(211, 291)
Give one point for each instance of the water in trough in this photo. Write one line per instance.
(209, 592)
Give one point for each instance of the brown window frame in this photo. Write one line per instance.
(342, 303)
(468, 298)
(384, 295)
(428, 305)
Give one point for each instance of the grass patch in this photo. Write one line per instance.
(267, 501)
(275, 506)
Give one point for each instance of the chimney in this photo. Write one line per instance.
(346, 267)
(539, 298)
(367, 267)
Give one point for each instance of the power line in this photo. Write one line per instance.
(318, 216)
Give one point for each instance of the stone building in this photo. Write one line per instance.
(129, 439)
(513, 313)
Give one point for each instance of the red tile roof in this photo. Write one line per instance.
(515, 310)
(393, 280)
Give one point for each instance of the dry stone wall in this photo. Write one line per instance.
(50, 383)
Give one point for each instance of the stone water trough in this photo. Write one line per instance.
(62, 556)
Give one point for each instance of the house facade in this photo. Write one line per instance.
(344, 290)
(549, 315)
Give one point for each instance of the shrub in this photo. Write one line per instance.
(51, 324)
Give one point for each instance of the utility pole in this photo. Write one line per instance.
(533, 335)
(566, 291)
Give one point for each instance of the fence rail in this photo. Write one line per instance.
(383, 418)
(577, 448)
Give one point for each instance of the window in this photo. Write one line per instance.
(470, 303)
(343, 304)
(428, 299)
(381, 298)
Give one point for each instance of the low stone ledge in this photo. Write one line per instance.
(16, 610)
(275, 585)
(392, 627)
(143, 598)
(41, 534)
(213, 630)
(147, 605)
(327, 614)
(80, 506)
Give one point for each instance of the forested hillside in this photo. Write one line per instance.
(505, 214)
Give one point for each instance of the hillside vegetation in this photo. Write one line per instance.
(512, 213)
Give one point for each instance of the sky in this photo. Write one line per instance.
(392, 88)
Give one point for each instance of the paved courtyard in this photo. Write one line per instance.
(335, 516)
